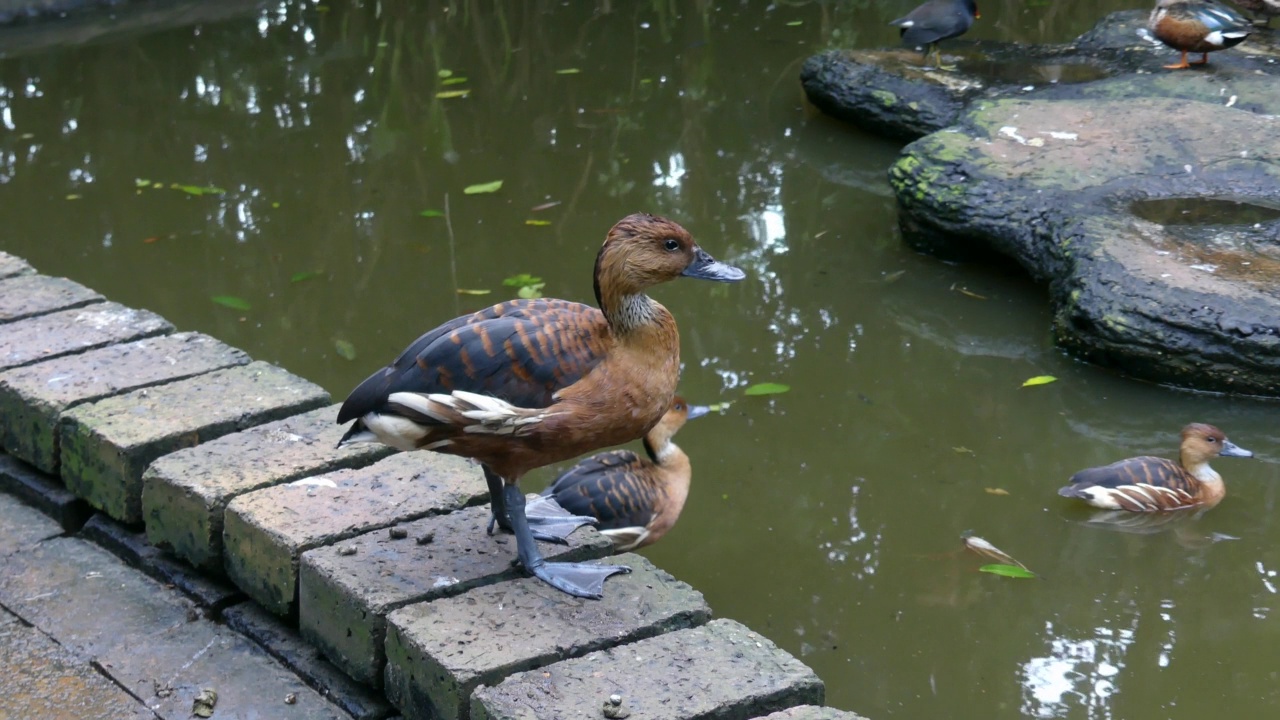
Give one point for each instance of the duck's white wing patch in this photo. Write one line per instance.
(490, 415)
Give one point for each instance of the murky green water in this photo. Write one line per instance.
(829, 517)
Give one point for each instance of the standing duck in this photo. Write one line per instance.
(1265, 9)
(935, 21)
(633, 500)
(1196, 26)
(528, 383)
(1148, 484)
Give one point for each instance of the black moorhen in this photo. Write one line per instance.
(935, 21)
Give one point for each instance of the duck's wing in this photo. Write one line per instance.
(521, 352)
(609, 487)
(1141, 484)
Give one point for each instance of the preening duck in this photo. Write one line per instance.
(528, 383)
(634, 500)
(935, 21)
(1148, 484)
(1196, 26)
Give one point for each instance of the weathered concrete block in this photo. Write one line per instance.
(69, 331)
(812, 712)
(264, 532)
(156, 645)
(185, 493)
(344, 599)
(33, 398)
(284, 644)
(13, 266)
(106, 445)
(30, 295)
(45, 492)
(22, 525)
(721, 670)
(439, 652)
(41, 679)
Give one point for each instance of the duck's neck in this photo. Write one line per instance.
(1200, 469)
(629, 314)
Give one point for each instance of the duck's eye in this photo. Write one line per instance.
(1212, 439)
(671, 244)
(679, 406)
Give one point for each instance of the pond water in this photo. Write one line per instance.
(828, 517)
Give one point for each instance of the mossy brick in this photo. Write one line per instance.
(185, 493)
(106, 445)
(265, 531)
(33, 398)
(812, 712)
(148, 638)
(71, 331)
(439, 652)
(26, 296)
(719, 671)
(343, 600)
(13, 266)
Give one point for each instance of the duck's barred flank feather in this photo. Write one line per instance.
(1140, 484)
(606, 487)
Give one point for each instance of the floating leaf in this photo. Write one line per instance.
(795, 23)
(446, 94)
(431, 213)
(544, 206)
(157, 185)
(982, 547)
(522, 280)
(139, 182)
(768, 388)
(568, 71)
(894, 276)
(73, 196)
(1039, 380)
(275, 205)
(453, 81)
(719, 407)
(996, 491)
(304, 276)
(345, 349)
(537, 223)
(963, 450)
(488, 187)
(444, 73)
(1009, 571)
(531, 292)
(198, 190)
(232, 302)
(151, 239)
(469, 291)
(724, 496)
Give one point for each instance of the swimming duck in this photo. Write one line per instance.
(1265, 9)
(935, 21)
(1201, 27)
(1148, 484)
(634, 500)
(527, 383)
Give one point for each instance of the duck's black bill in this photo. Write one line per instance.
(705, 267)
(1230, 449)
(697, 411)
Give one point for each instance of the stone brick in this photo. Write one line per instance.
(23, 525)
(812, 712)
(284, 644)
(148, 639)
(106, 445)
(33, 398)
(344, 599)
(13, 266)
(264, 532)
(41, 679)
(45, 492)
(211, 594)
(185, 493)
(439, 652)
(30, 295)
(71, 331)
(719, 671)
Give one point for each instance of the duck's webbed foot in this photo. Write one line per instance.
(583, 580)
(551, 523)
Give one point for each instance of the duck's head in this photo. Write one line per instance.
(676, 416)
(1201, 443)
(644, 250)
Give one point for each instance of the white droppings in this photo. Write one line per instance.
(1232, 100)
(316, 482)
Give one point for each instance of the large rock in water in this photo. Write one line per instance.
(1148, 201)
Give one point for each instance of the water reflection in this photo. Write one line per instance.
(1075, 673)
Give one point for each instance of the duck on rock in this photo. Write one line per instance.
(633, 500)
(527, 383)
(935, 21)
(1148, 484)
(1196, 27)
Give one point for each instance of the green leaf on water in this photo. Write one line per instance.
(488, 187)
(768, 388)
(232, 302)
(469, 291)
(453, 81)
(795, 23)
(446, 94)
(537, 223)
(198, 190)
(1039, 380)
(523, 280)
(531, 292)
(568, 71)
(444, 73)
(140, 182)
(304, 276)
(345, 349)
(719, 407)
(431, 213)
(1009, 571)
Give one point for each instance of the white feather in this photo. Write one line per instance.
(626, 538)
(399, 432)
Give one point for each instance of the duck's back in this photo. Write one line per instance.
(1139, 484)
